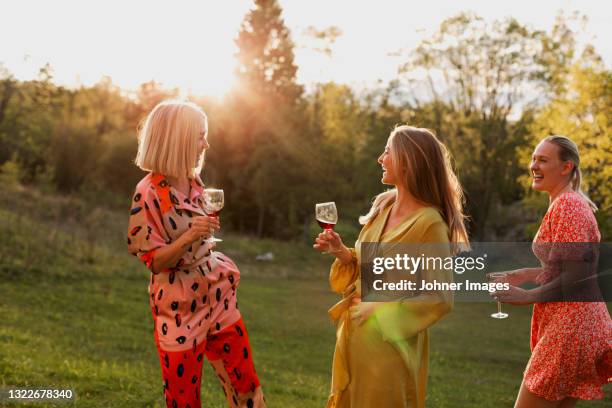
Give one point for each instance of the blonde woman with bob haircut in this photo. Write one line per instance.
(381, 354)
(571, 342)
(193, 290)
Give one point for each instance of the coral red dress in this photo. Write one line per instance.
(571, 342)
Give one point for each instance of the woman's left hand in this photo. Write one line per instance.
(514, 296)
(361, 311)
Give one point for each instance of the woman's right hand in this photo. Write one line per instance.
(203, 227)
(514, 278)
(328, 241)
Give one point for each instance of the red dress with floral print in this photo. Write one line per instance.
(571, 342)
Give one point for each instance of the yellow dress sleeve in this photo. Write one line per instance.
(404, 319)
(342, 275)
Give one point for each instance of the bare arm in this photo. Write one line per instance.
(517, 277)
(562, 285)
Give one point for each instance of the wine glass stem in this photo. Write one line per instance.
(212, 235)
(329, 247)
(499, 307)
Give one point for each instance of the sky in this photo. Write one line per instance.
(190, 44)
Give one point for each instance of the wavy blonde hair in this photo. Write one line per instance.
(568, 151)
(168, 140)
(423, 165)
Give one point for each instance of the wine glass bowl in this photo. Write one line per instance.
(213, 203)
(499, 315)
(326, 215)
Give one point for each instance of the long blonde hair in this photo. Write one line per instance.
(424, 167)
(168, 141)
(568, 151)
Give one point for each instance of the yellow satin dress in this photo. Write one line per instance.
(383, 362)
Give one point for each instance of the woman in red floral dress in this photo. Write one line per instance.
(571, 342)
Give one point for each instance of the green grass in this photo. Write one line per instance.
(75, 314)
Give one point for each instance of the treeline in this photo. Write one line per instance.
(490, 91)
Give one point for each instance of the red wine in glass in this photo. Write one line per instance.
(326, 225)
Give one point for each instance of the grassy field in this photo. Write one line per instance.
(75, 314)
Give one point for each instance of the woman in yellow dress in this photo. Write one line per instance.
(381, 353)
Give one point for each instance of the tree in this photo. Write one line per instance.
(29, 116)
(148, 95)
(473, 77)
(580, 107)
(266, 111)
(8, 88)
(265, 57)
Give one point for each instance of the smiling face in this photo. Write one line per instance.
(548, 171)
(386, 161)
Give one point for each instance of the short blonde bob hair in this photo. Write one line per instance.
(168, 140)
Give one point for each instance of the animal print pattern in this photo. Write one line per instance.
(194, 303)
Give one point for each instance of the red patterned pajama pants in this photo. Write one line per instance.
(229, 353)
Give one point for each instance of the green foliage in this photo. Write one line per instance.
(584, 113)
(265, 54)
(259, 158)
(9, 173)
(120, 148)
(349, 132)
(488, 90)
(475, 75)
(27, 120)
(579, 107)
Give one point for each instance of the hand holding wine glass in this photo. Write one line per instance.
(326, 215)
(328, 241)
(202, 227)
(516, 277)
(213, 203)
(496, 277)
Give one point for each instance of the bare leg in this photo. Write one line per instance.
(526, 399)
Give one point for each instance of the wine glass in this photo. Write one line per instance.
(326, 215)
(499, 315)
(213, 203)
